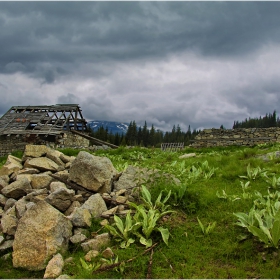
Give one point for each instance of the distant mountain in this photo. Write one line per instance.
(113, 127)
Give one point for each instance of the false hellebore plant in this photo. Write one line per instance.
(263, 220)
(143, 223)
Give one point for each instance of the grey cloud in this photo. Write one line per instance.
(3, 86)
(168, 63)
(97, 108)
(69, 98)
(49, 77)
(14, 67)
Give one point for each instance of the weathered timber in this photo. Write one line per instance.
(100, 142)
(50, 119)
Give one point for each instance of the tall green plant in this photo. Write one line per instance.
(206, 230)
(124, 231)
(148, 221)
(159, 204)
(253, 173)
(144, 221)
(263, 219)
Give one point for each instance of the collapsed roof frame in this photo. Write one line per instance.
(42, 120)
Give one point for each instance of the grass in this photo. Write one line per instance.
(190, 253)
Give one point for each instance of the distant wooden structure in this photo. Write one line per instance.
(42, 120)
(172, 147)
(60, 124)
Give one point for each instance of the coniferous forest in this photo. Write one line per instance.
(151, 137)
(269, 120)
(144, 136)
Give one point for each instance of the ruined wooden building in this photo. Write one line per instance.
(59, 125)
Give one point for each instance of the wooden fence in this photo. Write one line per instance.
(172, 147)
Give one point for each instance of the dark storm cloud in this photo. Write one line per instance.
(199, 63)
(65, 32)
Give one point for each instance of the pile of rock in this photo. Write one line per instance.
(48, 199)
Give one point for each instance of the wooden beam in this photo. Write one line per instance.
(94, 139)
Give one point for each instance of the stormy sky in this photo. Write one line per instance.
(198, 63)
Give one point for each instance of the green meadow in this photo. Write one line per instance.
(221, 221)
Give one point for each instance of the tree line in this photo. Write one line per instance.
(144, 136)
(269, 120)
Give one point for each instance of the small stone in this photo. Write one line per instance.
(9, 203)
(6, 245)
(78, 238)
(188, 155)
(91, 255)
(83, 231)
(121, 208)
(69, 260)
(121, 199)
(3, 200)
(110, 212)
(6, 256)
(107, 253)
(54, 267)
(71, 208)
(63, 276)
(104, 222)
(120, 192)
(78, 197)
(56, 185)
(106, 196)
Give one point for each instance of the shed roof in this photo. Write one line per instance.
(42, 119)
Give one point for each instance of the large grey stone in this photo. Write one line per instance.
(42, 232)
(96, 205)
(96, 243)
(17, 189)
(57, 185)
(61, 198)
(28, 171)
(20, 207)
(3, 183)
(97, 172)
(41, 181)
(55, 156)
(35, 151)
(9, 221)
(41, 163)
(69, 211)
(27, 176)
(66, 159)
(132, 177)
(80, 217)
(37, 195)
(13, 164)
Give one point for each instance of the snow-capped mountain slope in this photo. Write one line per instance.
(113, 127)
